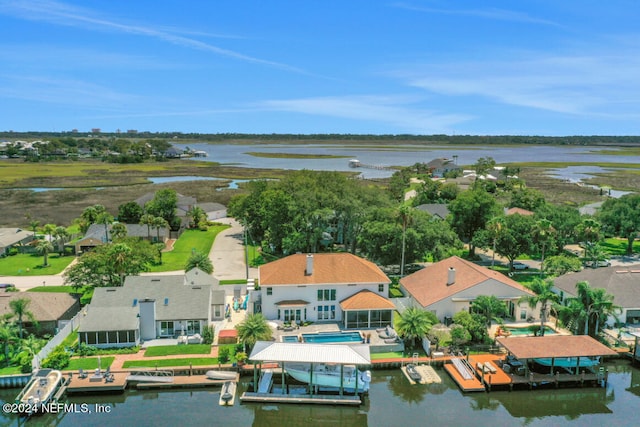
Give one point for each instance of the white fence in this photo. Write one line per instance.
(57, 339)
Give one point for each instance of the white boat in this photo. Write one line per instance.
(227, 393)
(329, 376)
(221, 375)
(39, 390)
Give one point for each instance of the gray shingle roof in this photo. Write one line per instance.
(116, 308)
(621, 282)
(436, 209)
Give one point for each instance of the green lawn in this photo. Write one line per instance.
(164, 363)
(31, 265)
(90, 363)
(166, 350)
(56, 289)
(189, 241)
(614, 246)
(11, 370)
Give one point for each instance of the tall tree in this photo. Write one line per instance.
(470, 212)
(20, 309)
(597, 306)
(543, 234)
(147, 219)
(118, 231)
(164, 204)
(44, 247)
(7, 337)
(129, 213)
(199, 260)
(33, 225)
(252, 329)
(490, 307)
(159, 223)
(514, 238)
(544, 296)
(621, 217)
(414, 324)
(404, 216)
(62, 235)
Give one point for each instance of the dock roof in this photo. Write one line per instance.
(554, 346)
(267, 351)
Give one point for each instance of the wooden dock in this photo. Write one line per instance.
(427, 373)
(120, 383)
(466, 385)
(300, 398)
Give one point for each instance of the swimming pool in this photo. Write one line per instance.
(527, 331)
(326, 337)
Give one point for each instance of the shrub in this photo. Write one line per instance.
(208, 334)
(13, 251)
(57, 360)
(85, 350)
(223, 354)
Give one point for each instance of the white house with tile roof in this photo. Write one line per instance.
(323, 287)
(451, 285)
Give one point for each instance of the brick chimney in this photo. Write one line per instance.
(309, 270)
(451, 276)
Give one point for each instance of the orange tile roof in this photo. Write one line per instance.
(518, 211)
(330, 268)
(429, 285)
(554, 346)
(366, 300)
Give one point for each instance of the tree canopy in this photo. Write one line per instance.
(621, 217)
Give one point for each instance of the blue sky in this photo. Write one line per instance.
(527, 67)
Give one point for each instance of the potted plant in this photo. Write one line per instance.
(241, 358)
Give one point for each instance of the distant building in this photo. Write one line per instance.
(438, 167)
(95, 130)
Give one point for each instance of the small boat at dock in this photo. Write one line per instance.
(227, 393)
(413, 373)
(221, 375)
(40, 390)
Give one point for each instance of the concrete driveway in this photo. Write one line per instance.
(228, 253)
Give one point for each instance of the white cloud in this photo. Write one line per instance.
(68, 15)
(395, 111)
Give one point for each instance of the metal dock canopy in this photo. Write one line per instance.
(554, 346)
(268, 351)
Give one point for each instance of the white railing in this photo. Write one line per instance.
(462, 368)
(57, 339)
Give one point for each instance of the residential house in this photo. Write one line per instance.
(13, 237)
(51, 310)
(150, 307)
(436, 210)
(621, 282)
(518, 211)
(438, 167)
(214, 210)
(326, 287)
(451, 285)
(98, 234)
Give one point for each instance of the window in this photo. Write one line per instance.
(166, 329)
(326, 294)
(326, 312)
(269, 291)
(523, 315)
(193, 327)
(381, 288)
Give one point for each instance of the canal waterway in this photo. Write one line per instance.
(392, 402)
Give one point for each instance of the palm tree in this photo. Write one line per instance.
(544, 231)
(33, 225)
(49, 229)
(413, 325)
(543, 296)
(61, 234)
(572, 314)
(20, 308)
(597, 307)
(495, 226)
(490, 307)
(44, 247)
(119, 257)
(252, 329)
(199, 260)
(7, 336)
(147, 219)
(158, 223)
(118, 231)
(405, 217)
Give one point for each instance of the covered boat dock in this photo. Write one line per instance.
(567, 358)
(306, 353)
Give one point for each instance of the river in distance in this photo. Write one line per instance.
(392, 401)
(405, 155)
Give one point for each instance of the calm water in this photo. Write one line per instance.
(392, 402)
(401, 155)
